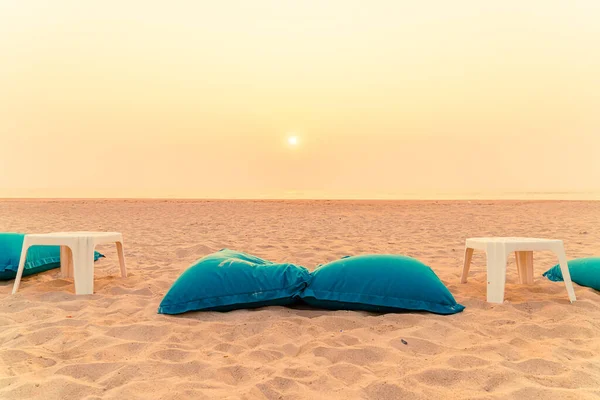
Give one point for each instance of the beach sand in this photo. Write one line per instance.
(113, 344)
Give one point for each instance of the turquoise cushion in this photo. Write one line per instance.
(228, 280)
(379, 283)
(39, 258)
(583, 271)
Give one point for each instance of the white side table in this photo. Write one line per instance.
(497, 250)
(76, 255)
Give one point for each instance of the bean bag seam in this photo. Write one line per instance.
(377, 297)
(233, 295)
(32, 264)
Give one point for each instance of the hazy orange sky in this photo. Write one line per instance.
(387, 98)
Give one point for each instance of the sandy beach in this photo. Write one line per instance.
(114, 345)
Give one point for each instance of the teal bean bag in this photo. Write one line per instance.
(229, 280)
(583, 271)
(379, 283)
(39, 258)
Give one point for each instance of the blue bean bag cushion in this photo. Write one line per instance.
(379, 283)
(229, 280)
(584, 271)
(39, 258)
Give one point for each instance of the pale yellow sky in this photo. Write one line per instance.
(387, 98)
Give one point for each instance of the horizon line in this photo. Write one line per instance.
(295, 199)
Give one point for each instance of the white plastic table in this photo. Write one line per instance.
(76, 255)
(497, 250)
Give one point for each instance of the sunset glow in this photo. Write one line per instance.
(194, 100)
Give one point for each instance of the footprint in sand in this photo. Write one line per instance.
(537, 366)
(416, 346)
(265, 356)
(90, 372)
(390, 391)
(348, 373)
(173, 355)
(199, 250)
(234, 374)
(467, 362)
(358, 356)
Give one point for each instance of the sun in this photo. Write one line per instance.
(293, 140)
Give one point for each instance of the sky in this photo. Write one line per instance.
(387, 99)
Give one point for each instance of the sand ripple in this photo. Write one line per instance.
(113, 345)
